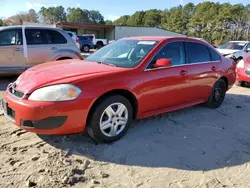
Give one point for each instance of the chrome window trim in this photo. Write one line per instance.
(182, 65)
(186, 64)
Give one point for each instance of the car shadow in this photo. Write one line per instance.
(195, 138)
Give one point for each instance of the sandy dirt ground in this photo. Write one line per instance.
(193, 147)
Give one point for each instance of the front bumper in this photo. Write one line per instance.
(242, 76)
(47, 117)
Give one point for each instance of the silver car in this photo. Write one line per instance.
(22, 47)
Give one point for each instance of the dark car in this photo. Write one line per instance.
(85, 43)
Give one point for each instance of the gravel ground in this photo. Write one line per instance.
(193, 147)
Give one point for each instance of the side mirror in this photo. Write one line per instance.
(163, 63)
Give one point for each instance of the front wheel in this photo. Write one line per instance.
(217, 95)
(110, 119)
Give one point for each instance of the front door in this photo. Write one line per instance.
(12, 58)
(166, 86)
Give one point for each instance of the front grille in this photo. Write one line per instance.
(16, 93)
(9, 112)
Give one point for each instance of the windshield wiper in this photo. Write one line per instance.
(109, 64)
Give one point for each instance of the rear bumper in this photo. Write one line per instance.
(47, 117)
(242, 76)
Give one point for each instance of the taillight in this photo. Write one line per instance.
(77, 40)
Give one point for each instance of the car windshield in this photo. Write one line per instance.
(123, 53)
(233, 45)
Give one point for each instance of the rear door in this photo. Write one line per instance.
(204, 63)
(40, 46)
(12, 58)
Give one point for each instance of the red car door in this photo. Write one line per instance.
(166, 86)
(203, 65)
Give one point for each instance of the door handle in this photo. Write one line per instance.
(183, 73)
(18, 49)
(213, 68)
(54, 48)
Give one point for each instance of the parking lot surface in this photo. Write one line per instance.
(193, 147)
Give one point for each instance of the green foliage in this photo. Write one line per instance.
(122, 20)
(96, 17)
(108, 22)
(136, 19)
(216, 23)
(19, 18)
(53, 15)
(2, 23)
(152, 18)
(77, 15)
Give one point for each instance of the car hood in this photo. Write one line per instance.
(65, 71)
(226, 51)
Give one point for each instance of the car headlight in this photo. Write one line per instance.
(240, 64)
(60, 92)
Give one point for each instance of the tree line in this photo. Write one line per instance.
(215, 22)
(52, 15)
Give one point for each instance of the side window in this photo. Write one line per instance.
(197, 53)
(57, 37)
(173, 51)
(248, 47)
(11, 37)
(34, 36)
(70, 34)
(214, 56)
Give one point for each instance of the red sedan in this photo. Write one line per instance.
(129, 79)
(243, 71)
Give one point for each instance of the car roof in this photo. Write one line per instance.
(29, 26)
(156, 38)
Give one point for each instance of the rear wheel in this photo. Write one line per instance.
(110, 119)
(99, 44)
(85, 48)
(217, 95)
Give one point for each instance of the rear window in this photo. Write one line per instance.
(70, 34)
(44, 36)
(35, 37)
(58, 38)
(83, 38)
(197, 53)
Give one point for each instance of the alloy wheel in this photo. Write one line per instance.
(114, 119)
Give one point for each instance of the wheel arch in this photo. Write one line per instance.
(63, 58)
(123, 92)
(225, 79)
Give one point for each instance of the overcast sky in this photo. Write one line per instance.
(111, 9)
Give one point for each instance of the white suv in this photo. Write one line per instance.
(74, 37)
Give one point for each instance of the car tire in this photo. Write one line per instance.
(99, 45)
(217, 95)
(85, 48)
(240, 83)
(105, 123)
